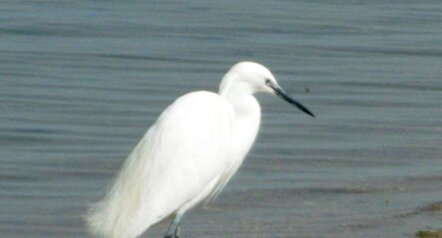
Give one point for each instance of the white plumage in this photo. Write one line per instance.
(187, 156)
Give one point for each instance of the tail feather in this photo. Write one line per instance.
(116, 215)
(112, 217)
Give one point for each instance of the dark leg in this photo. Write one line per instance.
(174, 228)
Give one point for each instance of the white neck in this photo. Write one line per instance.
(240, 95)
(247, 110)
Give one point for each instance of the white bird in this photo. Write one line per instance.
(187, 156)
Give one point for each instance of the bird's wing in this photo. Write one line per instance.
(181, 154)
(190, 147)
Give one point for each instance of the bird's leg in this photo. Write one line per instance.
(173, 231)
(174, 228)
(177, 231)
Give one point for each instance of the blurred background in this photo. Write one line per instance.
(81, 82)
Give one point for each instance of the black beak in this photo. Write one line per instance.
(283, 94)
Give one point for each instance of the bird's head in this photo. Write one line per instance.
(250, 78)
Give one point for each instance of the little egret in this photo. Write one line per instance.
(187, 156)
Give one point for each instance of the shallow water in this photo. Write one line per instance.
(82, 81)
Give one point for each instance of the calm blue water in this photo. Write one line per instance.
(81, 81)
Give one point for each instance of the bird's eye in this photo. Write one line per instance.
(268, 82)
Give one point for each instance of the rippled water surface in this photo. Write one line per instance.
(81, 81)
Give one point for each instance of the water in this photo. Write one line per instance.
(82, 81)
